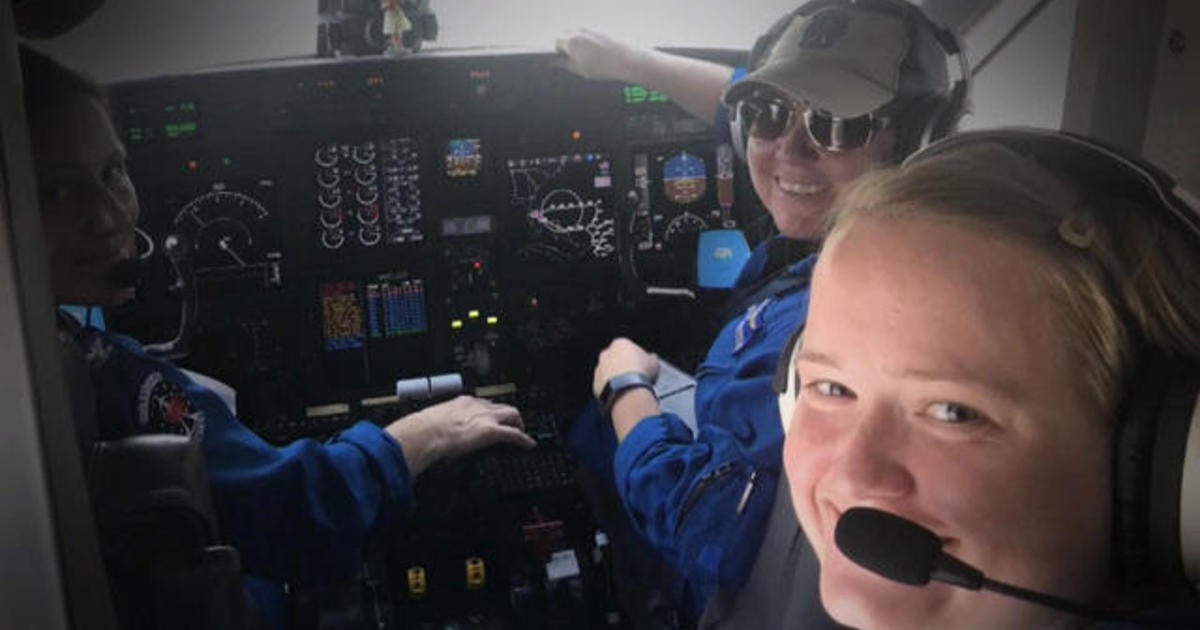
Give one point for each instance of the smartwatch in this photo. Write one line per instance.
(619, 383)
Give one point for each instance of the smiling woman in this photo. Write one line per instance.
(974, 322)
(90, 207)
(954, 419)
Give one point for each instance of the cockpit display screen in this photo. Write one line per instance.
(566, 204)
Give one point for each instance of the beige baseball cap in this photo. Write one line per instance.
(850, 61)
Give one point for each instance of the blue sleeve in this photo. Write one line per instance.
(699, 501)
(303, 513)
(704, 501)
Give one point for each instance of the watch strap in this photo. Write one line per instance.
(620, 383)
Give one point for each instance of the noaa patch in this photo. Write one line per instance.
(825, 29)
(163, 407)
(748, 325)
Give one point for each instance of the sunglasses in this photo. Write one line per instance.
(770, 117)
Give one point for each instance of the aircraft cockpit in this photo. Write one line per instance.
(368, 208)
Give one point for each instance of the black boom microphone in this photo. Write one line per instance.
(903, 551)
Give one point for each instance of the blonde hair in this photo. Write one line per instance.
(1122, 276)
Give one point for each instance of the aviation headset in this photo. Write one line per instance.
(925, 119)
(1156, 459)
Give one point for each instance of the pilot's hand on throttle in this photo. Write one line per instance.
(622, 355)
(592, 55)
(457, 427)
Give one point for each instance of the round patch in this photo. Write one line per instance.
(163, 407)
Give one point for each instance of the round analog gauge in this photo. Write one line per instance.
(332, 238)
(329, 198)
(328, 178)
(368, 215)
(364, 153)
(366, 174)
(332, 217)
(682, 226)
(369, 235)
(326, 156)
(366, 196)
(221, 225)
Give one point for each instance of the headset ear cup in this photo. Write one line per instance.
(927, 120)
(946, 121)
(914, 125)
(1150, 455)
(1133, 444)
(1170, 540)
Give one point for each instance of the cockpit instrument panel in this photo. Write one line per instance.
(368, 194)
(462, 218)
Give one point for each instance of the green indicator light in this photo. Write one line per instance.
(227, 161)
(634, 94)
(170, 108)
(187, 127)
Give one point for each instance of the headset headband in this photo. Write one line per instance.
(1066, 153)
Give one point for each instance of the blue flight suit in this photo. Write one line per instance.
(301, 513)
(703, 502)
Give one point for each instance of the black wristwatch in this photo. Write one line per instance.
(619, 383)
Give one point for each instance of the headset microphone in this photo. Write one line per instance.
(903, 551)
(128, 272)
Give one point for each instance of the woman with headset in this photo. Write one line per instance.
(1002, 347)
(302, 513)
(834, 89)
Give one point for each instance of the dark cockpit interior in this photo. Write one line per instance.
(365, 233)
(315, 232)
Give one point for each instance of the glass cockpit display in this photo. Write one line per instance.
(372, 328)
(341, 317)
(682, 191)
(385, 307)
(464, 157)
(368, 194)
(565, 202)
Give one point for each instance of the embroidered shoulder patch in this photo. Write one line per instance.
(163, 407)
(749, 324)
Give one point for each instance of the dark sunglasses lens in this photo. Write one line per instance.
(768, 119)
(839, 134)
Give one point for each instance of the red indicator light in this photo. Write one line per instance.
(575, 135)
(477, 265)
(192, 165)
